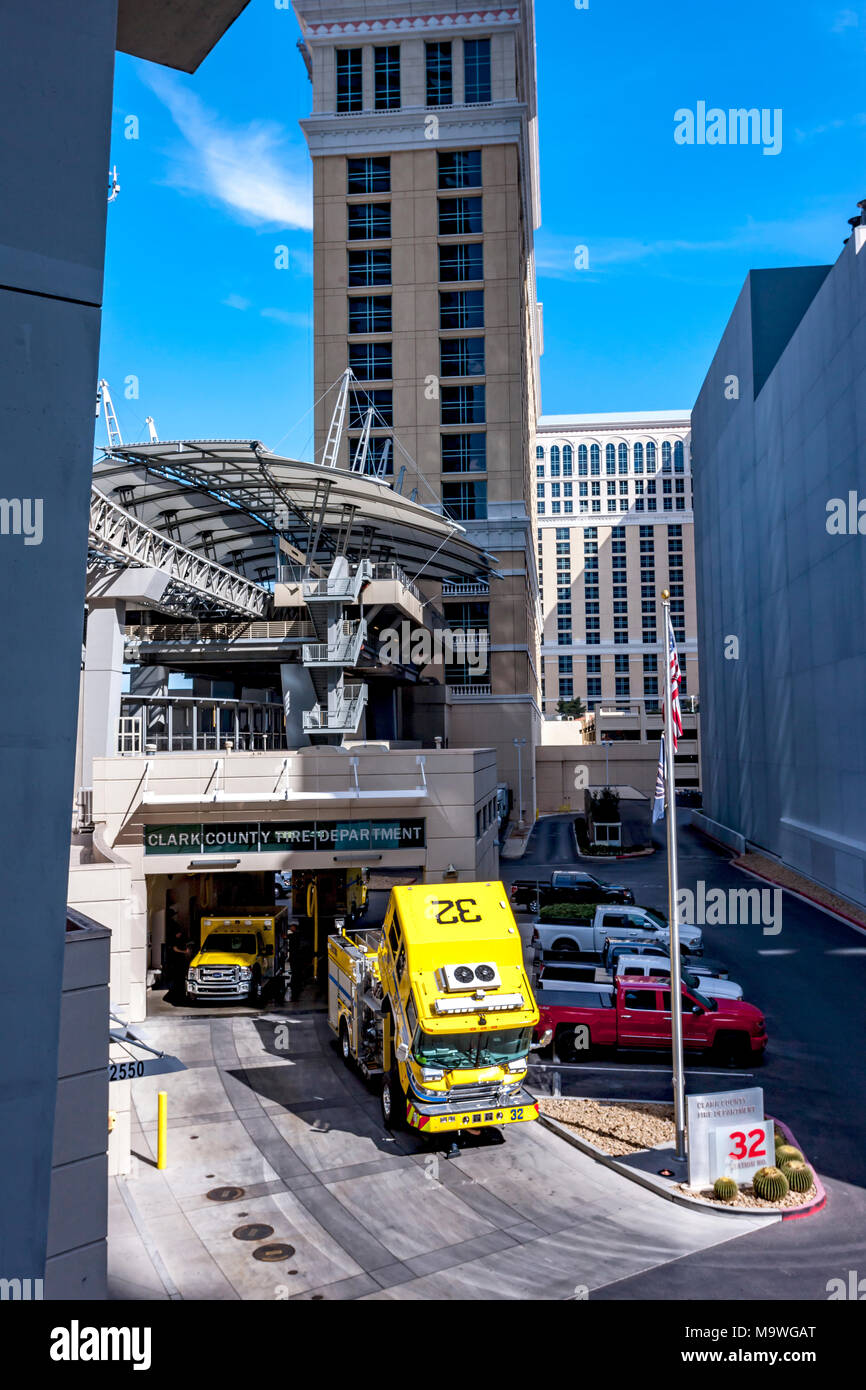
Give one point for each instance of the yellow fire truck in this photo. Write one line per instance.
(438, 1004)
(241, 957)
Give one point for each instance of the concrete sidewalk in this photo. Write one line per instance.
(267, 1107)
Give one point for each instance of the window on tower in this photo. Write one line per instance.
(350, 80)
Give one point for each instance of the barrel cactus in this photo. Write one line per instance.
(770, 1184)
(799, 1175)
(786, 1153)
(725, 1189)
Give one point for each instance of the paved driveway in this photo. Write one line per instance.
(267, 1106)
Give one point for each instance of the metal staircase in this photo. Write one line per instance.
(339, 707)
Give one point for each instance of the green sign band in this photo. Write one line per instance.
(267, 837)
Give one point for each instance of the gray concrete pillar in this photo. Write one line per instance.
(148, 680)
(103, 681)
(298, 698)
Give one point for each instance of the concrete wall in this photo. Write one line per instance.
(55, 110)
(101, 888)
(461, 783)
(783, 724)
(78, 1212)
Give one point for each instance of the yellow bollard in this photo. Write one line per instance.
(162, 1130)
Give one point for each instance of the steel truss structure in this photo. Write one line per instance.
(118, 534)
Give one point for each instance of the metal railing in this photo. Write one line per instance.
(193, 724)
(345, 715)
(343, 589)
(344, 652)
(219, 632)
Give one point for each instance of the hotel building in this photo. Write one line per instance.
(615, 529)
(423, 137)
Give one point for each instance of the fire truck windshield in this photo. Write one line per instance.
(471, 1050)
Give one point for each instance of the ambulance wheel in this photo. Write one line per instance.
(345, 1046)
(393, 1102)
(254, 998)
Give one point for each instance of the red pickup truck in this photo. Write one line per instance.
(639, 1015)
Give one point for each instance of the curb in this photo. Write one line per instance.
(678, 1198)
(820, 1201)
(803, 897)
(616, 858)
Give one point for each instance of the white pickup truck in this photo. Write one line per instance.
(580, 930)
(694, 979)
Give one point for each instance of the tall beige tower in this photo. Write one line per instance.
(425, 166)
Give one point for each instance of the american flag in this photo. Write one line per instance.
(675, 679)
(659, 803)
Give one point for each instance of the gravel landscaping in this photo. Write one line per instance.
(746, 1198)
(615, 1129)
(622, 1129)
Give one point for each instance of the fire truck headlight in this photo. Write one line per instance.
(430, 1074)
(519, 1064)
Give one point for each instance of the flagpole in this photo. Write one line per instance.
(673, 894)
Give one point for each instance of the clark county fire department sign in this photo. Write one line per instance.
(267, 837)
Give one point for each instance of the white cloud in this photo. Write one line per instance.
(845, 19)
(812, 234)
(295, 320)
(236, 301)
(252, 170)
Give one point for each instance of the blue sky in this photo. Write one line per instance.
(220, 339)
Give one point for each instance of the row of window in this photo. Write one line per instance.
(594, 489)
(457, 357)
(567, 508)
(457, 217)
(622, 665)
(592, 638)
(616, 459)
(622, 686)
(457, 169)
(485, 818)
(646, 535)
(458, 309)
(439, 73)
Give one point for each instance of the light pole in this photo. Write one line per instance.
(520, 743)
(676, 996)
(606, 744)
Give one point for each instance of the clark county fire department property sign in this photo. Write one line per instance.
(735, 1110)
(268, 837)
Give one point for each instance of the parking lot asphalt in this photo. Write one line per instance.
(809, 980)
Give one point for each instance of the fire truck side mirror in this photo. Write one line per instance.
(403, 1052)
